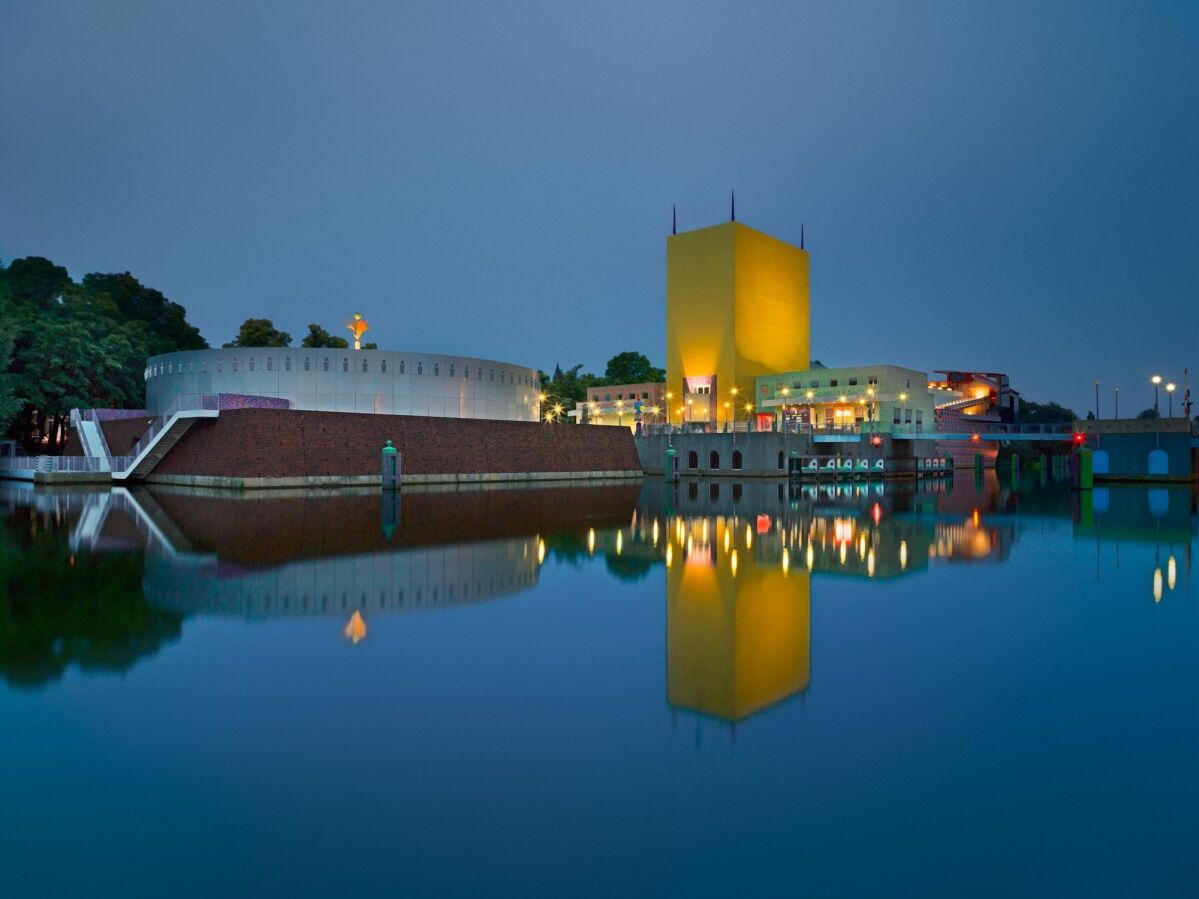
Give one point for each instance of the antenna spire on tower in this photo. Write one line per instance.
(674, 219)
(732, 206)
(801, 235)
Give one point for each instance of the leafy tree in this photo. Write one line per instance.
(64, 344)
(1045, 413)
(260, 332)
(632, 368)
(1148, 413)
(319, 337)
(167, 328)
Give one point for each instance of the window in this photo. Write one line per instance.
(813, 384)
(203, 367)
(234, 365)
(491, 376)
(436, 369)
(401, 366)
(919, 416)
(907, 416)
(251, 363)
(645, 396)
(713, 491)
(364, 363)
(692, 490)
(420, 368)
(737, 460)
(895, 416)
(832, 382)
(620, 396)
(307, 364)
(607, 397)
(853, 382)
(466, 372)
(383, 366)
(326, 363)
(451, 369)
(270, 362)
(345, 363)
(693, 459)
(873, 381)
(713, 459)
(780, 460)
(219, 365)
(480, 373)
(191, 367)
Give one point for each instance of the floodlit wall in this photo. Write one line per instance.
(388, 382)
(736, 308)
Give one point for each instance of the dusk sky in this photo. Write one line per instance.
(1004, 186)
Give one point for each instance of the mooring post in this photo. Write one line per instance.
(390, 467)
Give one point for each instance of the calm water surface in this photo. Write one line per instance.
(720, 688)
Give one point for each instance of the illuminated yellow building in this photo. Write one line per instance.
(737, 628)
(736, 309)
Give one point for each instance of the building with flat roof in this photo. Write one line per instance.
(385, 382)
(736, 309)
(622, 404)
(877, 397)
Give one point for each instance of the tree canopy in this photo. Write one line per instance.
(632, 368)
(259, 332)
(65, 344)
(319, 337)
(1045, 413)
(566, 388)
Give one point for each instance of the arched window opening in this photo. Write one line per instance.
(736, 460)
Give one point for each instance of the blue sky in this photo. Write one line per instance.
(1006, 186)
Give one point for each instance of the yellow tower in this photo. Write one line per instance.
(736, 308)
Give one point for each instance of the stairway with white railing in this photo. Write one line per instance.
(164, 432)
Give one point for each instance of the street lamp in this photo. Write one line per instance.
(1155, 380)
(749, 407)
(1170, 388)
(1096, 401)
(540, 399)
(1117, 403)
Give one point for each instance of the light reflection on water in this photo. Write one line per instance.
(669, 672)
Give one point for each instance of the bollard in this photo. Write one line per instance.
(390, 467)
(978, 461)
(390, 512)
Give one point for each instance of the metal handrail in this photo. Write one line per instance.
(186, 402)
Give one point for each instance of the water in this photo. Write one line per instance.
(979, 689)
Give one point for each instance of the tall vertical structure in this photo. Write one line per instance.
(736, 308)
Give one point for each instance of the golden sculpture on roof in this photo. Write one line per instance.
(358, 326)
(355, 630)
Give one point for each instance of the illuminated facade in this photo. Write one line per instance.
(736, 309)
(622, 404)
(885, 396)
(387, 382)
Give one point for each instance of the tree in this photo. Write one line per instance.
(1148, 413)
(166, 322)
(35, 281)
(1045, 413)
(260, 332)
(10, 400)
(318, 337)
(632, 368)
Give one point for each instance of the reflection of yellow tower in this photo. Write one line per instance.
(737, 631)
(736, 308)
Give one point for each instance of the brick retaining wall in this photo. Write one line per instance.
(269, 443)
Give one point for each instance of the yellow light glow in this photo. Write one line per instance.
(1171, 572)
(1157, 585)
(903, 555)
(654, 532)
(862, 546)
(727, 539)
(669, 554)
(705, 531)
(1171, 387)
(786, 560)
(749, 537)
(810, 557)
(733, 563)
(591, 540)
(810, 394)
(844, 552)
(540, 550)
(1156, 379)
(903, 397)
(870, 563)
(355, 629)
(619, 542)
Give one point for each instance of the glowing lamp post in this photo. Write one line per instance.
(1155, 380)
(1170, 388)
(358, 326)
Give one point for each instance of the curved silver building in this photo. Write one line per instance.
(389, 382)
